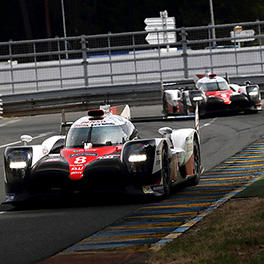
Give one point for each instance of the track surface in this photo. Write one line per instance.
(31, 235)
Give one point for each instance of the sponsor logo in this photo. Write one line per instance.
(109, 157)
(76, 172)
(77, 168)
(83, 154)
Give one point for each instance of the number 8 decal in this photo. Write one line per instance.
(80, 160)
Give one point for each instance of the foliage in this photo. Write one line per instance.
(43, 18)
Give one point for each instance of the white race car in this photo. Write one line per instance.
(103, 151)
(215, 94)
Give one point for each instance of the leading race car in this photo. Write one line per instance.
(216, 95)
(102, 152)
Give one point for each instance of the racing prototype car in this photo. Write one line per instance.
(103, 152)
(215, 94)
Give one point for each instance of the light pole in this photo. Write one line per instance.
(64, 28)
(212, 21)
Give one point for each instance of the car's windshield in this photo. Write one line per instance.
(214, 86)
(97, 135)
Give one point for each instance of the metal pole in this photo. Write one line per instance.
(64, 27)
(212, 21)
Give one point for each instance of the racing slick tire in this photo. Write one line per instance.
(196, 165)
(165, 174)
(165, 107)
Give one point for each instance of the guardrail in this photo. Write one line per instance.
(84, 98)
(124, 58)
(79, 99)
(1, 106)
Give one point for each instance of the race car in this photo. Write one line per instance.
(216, 95)
(102, 152)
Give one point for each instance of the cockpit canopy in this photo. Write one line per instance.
(213, 84)
(100, 135)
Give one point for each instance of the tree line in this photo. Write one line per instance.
(33, 19)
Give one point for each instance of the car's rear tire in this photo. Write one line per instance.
(165, 107)
(196, 165)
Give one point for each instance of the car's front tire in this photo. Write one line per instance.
(165, 173)
(196, 165)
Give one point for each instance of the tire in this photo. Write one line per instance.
(196, 165)
(165, 107)
(165, 174)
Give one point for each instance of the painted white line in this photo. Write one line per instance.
(210, 123)
(2, 212)
(9, 122)
(18, 142)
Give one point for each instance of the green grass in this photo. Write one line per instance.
(255, 189)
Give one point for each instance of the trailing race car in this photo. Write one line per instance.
(103, 152)
(215, 94)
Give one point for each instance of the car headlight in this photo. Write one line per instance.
(137, 158)
(17, 164)
(253, 93)
(197, 98)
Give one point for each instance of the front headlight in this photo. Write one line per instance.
(197, 98)
(17, 164)
(253, 93)
(137, 158)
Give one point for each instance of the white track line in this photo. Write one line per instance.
(18, 142)
(210, 123)
(9, 122)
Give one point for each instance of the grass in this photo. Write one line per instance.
(234, 233)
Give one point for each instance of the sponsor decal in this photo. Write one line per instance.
(147, 189)
(110, 157)
(94, 123)
(83, 154)
(75, 168)
(50, 160)
(76, 172)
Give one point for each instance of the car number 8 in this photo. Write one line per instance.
(80, 160)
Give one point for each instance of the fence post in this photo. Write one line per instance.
(35, 65)
(84, 62)
(59, 58)
(184, 52)
(110, 56)
(260, 44)
(11, 66)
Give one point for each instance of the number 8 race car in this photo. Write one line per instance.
(102, 152)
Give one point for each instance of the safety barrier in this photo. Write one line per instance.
(1, 106)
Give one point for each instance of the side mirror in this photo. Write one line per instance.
(26, 139)
(165, 131)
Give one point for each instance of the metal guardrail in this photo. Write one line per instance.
(84, 98)
(80, 99)
(124, 58)
(1, 106)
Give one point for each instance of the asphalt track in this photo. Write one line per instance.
(38, 232)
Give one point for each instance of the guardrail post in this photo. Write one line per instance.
(59, 58)
(1, 106)
(11, 66)
(184, 52)
(260, 48)
(84, 62)
(110, 56)
(35, 65)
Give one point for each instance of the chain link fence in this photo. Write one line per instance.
(110, 59)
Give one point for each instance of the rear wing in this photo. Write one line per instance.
(178, 85)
